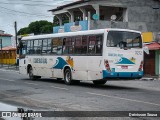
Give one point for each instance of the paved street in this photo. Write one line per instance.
(50, 94)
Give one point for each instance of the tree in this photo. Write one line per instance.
(37, 27)
(55, 21)
(47, 29)
(23, 31)
(65, 19)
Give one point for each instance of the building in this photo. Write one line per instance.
(6, 39)
(152, 60)
(141, 15)
(8, 51)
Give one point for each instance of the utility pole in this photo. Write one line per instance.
(15, 27)
(1, 53)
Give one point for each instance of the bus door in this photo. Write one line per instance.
(22, 57)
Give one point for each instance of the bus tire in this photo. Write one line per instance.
(99, 82)
(38, 77)
(59, 78)
(68, 77)
(76, 82)
(31, 76)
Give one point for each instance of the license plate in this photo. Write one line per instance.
(124, 67)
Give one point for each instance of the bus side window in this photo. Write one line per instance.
(49, 46)
(54, 45)
(44, 48)
(28, 47)
(39, 49)
(68, 45)
(32, 51)
(65, 50)
(24, 48)
(38, 46)
(92, 45)
(84, 44)
(78, 45)
(57, 46)
(95, 44)
(99, 43)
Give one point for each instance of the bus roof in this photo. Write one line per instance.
(97, 31)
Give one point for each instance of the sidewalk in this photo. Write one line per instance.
(150, 77)
(9, 67)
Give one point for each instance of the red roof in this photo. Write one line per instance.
(6, 35)
(153, 46)
(8, 48)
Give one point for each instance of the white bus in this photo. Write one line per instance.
(94, 55)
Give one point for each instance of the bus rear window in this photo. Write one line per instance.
(124, 39)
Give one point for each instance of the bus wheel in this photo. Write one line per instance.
(38, 77)
(68, 77)
(76, 82)
(31, 76)
(99, 82)
(59, 78)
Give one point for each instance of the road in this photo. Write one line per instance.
(50, 94)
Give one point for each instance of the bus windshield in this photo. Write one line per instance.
(124, 39)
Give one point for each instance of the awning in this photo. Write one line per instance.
(153, 46)
(8, 48)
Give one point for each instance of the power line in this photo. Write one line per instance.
(42, 0)
(27, 4)
(33, 0)
(25, 15)
(24, 12)
(5, 25)
(36, 1)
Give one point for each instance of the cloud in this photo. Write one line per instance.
(24, 12)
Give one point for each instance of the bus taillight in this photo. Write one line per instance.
(107, 65)
(141, 66)
(107, 30)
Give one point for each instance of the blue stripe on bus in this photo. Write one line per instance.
(60, 63)
(107, 74)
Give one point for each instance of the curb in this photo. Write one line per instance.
(2, 69)
(149, 79)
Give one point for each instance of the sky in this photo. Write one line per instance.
(25, 12)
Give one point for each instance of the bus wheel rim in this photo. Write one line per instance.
(31, 74)
(68, 77)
